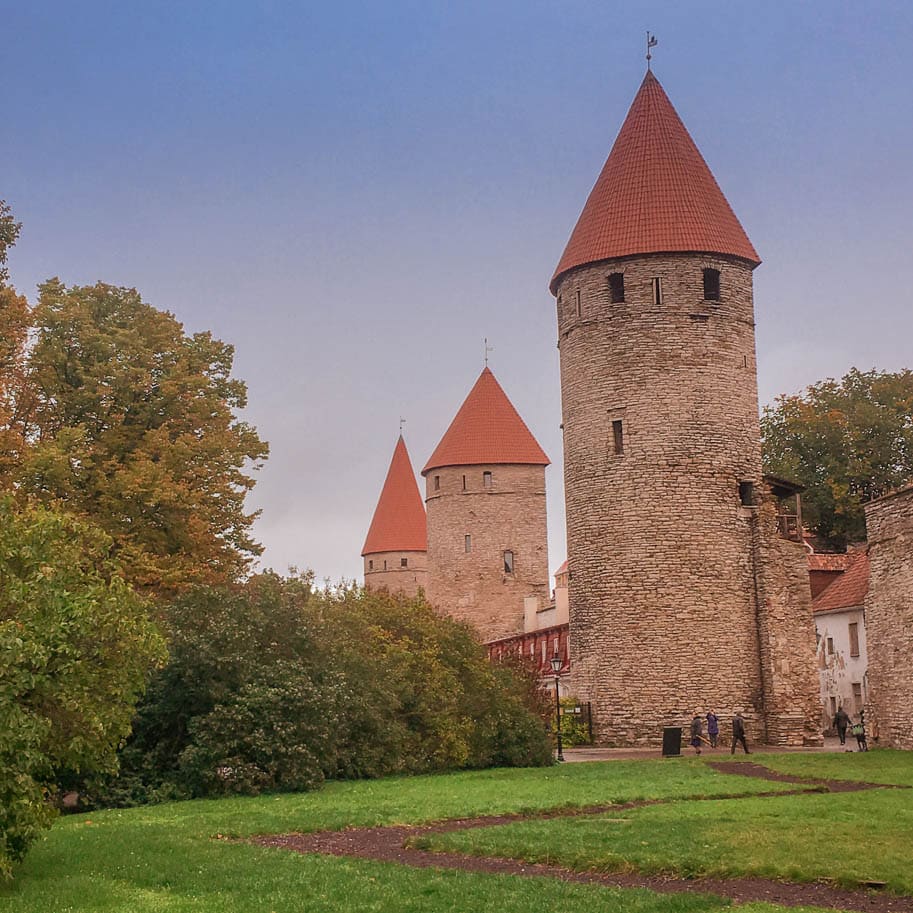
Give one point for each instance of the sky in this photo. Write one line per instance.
(355, 195)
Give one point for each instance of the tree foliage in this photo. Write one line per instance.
(131, 423)
(273, 686)
(75, 648)
(847, 441)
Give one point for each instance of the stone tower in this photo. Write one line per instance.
(396, 544)
(682, 595)
(485, 494)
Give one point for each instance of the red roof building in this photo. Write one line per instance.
(655, 194)
(487, 430)
(399, 518)
(849, 590)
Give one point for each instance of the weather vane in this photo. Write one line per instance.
(402, 422)
(651, 43)
(488, 349)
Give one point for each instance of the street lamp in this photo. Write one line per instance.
(556, 668)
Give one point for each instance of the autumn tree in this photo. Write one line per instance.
(847, 442)
(132, 423)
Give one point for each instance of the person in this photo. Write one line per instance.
(697, 729)
(842, 722)
(738, 733)
(859, 732)
(713, 728)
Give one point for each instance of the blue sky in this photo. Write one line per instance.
(355, 194)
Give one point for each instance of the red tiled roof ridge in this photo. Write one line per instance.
(486, 429)
(849, 590)
(655, 194)
(399, 523)
(828, 561)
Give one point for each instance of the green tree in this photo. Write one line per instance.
(76, 645)
(132, 424)
(9, 233)
(847, 442)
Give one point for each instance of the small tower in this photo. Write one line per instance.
(485, 495)
(681, 594)
(395, 548)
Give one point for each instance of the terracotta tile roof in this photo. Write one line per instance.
(826, 562)
(399, 518)
(655, 194)
(487, 429)
(562, 569)
(850, 589)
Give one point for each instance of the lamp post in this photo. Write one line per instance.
(556, 668)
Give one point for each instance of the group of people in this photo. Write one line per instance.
(843, 721)
(713, 732)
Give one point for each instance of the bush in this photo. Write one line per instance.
(272, 686)
(75, 648)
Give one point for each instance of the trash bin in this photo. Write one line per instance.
(672, 741)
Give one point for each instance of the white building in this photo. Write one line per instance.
(840, 627)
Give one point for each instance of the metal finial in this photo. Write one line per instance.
(488, 349)
(651, 43)
(402, 422)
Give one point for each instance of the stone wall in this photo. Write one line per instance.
(889, 617)
(509, 515)
(397, 572)
(667, 608)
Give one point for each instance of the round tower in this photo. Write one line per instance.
(662, 448)
(396, 544)
(485, 497)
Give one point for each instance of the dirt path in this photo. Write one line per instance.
(389, 844)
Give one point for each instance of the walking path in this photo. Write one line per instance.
(391, 844)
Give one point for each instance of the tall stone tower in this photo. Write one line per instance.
(485, 495)
(681, 593)
(396, 544)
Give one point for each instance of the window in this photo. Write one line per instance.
(618, 436)
(486, 479)
(508, 562)
(711, 285)
(385, 563)
(830, 646)
(854, 639)
(746, 494)
(578, 302)
(370, 564)
(857, 695)
(467, 544)
(617, 287)
(437, 483)
(657, 285)
(464, 483)
(404, 562)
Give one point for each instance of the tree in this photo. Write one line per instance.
(76, 644)
(9, 233)
(132, 424)
(847, 442)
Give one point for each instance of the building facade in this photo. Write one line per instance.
(682, 591)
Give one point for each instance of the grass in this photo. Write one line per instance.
(162, 859)
(845, 838)
(875, 766)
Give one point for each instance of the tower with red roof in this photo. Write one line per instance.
(396, 544)
(485, 497)
(681, 593)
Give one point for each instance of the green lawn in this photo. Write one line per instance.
(875, 766)
(847, 838)
(163, 859)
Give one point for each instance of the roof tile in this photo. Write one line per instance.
(849, 590)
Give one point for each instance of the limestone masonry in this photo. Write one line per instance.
(889, 616)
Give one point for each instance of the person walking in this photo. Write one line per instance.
(713, 728)
(738, 733)
(697, 732)
(841, 724)
(859, 732)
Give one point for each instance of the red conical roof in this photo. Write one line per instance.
(487, 429)
(655, 194)
(399, 518)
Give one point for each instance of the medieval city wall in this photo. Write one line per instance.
(509, 515)
(889, 616)
(387, 571)
(663, 557)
